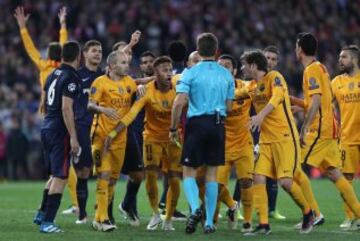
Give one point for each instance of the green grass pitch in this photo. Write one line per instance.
(18, 202)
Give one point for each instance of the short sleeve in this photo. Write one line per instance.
(95, 91)
(277, 89)
(231, 88)
(71, 87)
(312, 80)
(183, 84)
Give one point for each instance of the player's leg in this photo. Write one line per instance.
(71, 184)
(152, 156)
(60, 162)
(272, 191)
(174, 174)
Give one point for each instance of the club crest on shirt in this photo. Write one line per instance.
(121, 90)
(313, 84)
(351, 85)
(277, 81)
(93, 90)
(128, 89)
(262, 87)
(71, 87)
(165, 103)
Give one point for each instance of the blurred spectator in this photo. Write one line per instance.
(17, 149)
(3, 162)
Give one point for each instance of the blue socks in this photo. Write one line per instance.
(211, 193)
(192, 193)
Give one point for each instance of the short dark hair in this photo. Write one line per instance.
(207, 44)
(177, 51)
(71, 51)
(147, 53)
(308, 43)
(117, 45)
(355, 51)
(54, 51)
(161, 60)
(256, 57)
(272, 49)
(90, 44)
(231, 58)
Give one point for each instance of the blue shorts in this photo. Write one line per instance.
(83, 135)
(133, 153)
(56, 144)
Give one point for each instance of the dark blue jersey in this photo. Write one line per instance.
(82, 116)
(63, 81)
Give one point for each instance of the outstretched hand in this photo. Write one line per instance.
(21, 17)
(62, 15)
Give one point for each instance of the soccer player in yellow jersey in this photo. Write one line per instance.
(279, 140)
(238, 153)
(346, 90)
(110, 98)
(158, 151)
(318, 133)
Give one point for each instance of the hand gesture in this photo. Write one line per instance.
(107, 144)
(62, 16)
(256, 122)
(135, 37)
(75, 146)
(302, 138)
(111, 113)
(141, 90)
(21, 17)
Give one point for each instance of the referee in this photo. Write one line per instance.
(208, 88)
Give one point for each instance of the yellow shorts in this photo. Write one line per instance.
(165, 155)
(111, 162)
(243, 161)
(321, 153)
(279, 159)
(350, 158)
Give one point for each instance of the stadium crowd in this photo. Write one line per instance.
(239, 25)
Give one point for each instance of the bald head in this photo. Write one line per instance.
(118, 63)
(193, 59)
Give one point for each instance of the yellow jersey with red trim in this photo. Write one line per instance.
(346, 90)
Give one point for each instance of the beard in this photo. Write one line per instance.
(346, 69)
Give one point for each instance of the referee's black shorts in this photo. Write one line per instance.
(204, 142)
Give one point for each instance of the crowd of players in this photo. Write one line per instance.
(88, 113)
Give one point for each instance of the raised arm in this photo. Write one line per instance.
(135, 37)
(30, 48)
(63, 35)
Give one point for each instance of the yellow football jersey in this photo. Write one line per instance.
(346, 90)
(158, 107)
(279, 125)
(316, 80)
(237, 134)
(45, 66)
(112, 94)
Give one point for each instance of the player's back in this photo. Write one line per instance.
(63, 81)
(316, 80)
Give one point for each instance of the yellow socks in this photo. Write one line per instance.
(225, 197)
(349, 215)
(348, 194)
(72, 186)
(298, 196)
(247, 195)
(172, 196)
(152, 189)
(261, 201)
(304, 183)
(102, 200)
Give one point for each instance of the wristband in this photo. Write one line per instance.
(113, 134)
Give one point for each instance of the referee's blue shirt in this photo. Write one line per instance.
(208, 85)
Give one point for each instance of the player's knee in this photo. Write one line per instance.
(104, 175)
(286, 183)
(151, 168)
(349, 176)
(174, 174)
(333, 174)
(83, 173)
(136, 177)
(245, 183)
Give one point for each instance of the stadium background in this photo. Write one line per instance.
(239, 25)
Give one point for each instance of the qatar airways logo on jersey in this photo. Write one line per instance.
(120, 102)
(350, 97)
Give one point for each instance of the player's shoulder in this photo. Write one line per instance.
(275, 75)
(175, 78)
(315, 67)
